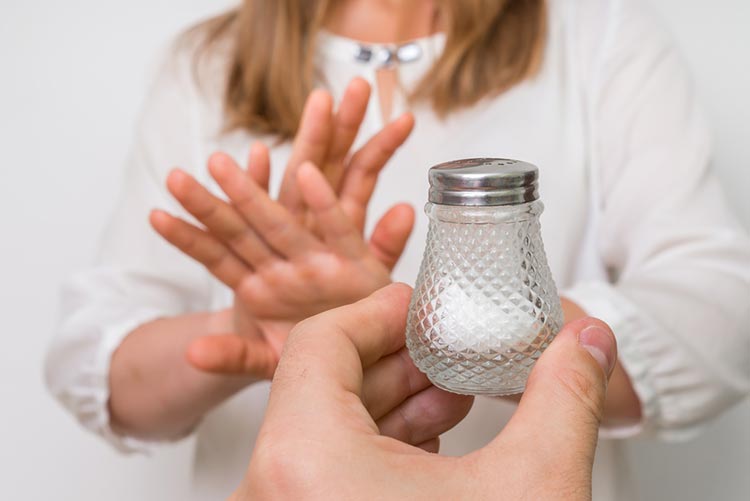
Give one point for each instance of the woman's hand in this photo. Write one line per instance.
(287, 261)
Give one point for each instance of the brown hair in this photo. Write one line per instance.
(491, 45)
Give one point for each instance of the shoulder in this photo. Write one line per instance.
(595, 30)
(594, 18)
(192, 66)
(186, 84)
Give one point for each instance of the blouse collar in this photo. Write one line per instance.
(378, 55)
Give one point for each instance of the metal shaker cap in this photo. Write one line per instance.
(484, 181)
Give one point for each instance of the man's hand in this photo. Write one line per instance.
(343, 382)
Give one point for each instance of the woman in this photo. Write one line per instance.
(592, 92)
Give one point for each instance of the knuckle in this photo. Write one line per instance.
(303, 331)
(584, 390)
(187, 243)
(277, 231)
(245, 203)
(413, 379)
(383, 151)
(241, 239)
(407, 429)
(310, 275)
(247, 290)
(277, 277)
(277, 470)
(215, 261)
(207, 213)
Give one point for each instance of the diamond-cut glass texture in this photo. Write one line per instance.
(485, 305)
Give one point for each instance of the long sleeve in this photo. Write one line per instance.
(138, 277)
(679, 296)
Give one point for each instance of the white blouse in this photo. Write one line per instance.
(636, 228)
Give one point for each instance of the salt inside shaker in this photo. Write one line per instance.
(484, 305)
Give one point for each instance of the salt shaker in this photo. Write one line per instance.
(484, 305)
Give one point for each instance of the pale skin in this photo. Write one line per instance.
(343, 360)
(285, 259)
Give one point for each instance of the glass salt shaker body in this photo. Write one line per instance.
(484, 305)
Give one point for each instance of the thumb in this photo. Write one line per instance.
(563, 403)
(233, 354)
(391, 234)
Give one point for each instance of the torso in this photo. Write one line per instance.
(543, 121)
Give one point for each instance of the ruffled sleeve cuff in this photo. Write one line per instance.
(645, 354)
(86, 393)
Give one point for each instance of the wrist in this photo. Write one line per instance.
(150, 365)
(220, 322)
(622, 407)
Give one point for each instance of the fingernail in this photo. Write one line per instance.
(600, 344)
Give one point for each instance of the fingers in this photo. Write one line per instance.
(432, 446)
(391, 234)
(324, 357)
(310, 144)
(233, 354)
(272, 222)
(362, 173)
(425, 416)
(346, 125)
(389, 382)
(563, 403)
(201, 246)
(259, 165)
(221, 219)
(336, 228)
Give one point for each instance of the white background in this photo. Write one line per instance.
(72, 75)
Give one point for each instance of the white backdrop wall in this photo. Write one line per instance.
(72, 77)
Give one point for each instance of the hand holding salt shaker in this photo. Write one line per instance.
(484, 306)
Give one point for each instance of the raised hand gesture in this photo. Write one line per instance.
(290, 258)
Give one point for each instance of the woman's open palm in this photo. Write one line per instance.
(290, 259)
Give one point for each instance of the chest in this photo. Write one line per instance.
(542, 121)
